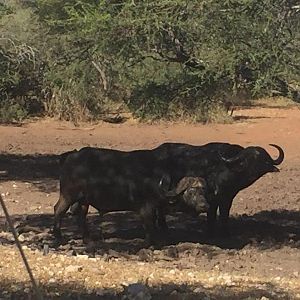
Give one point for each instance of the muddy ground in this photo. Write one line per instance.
(260, 261)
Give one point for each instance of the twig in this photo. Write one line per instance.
(10, 223)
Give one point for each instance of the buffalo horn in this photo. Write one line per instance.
(280, 158)
(232, 159)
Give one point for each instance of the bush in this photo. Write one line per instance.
(81, 59)
(11, 111)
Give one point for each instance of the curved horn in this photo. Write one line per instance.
(280, 158)
(165, 182)
(185, 183)
(231, 160)
(182, 185)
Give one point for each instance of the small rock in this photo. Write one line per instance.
(71, 253)
(45, 249)
(172, 252)
(65, 247)
(71, 268)
(197, 290)
(264, 298)
(277, 278)
(82, 256)
(21, 238)
(145, 255)
(190, 274)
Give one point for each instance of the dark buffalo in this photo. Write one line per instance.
(112, 180)
(64, 156)
(226, 168)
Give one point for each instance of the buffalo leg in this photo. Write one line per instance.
(75, 208)
(224, 209)
(211, 219)
(82, 223)
(161, 218)
(60, 209)
(147, 214)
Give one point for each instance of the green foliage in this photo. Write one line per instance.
(12, 111)
(21, 69)
(161, 59)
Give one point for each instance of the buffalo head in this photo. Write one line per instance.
(193, 190)
(253, 162)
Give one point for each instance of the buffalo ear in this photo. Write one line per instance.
(216, 192)
(165, 182)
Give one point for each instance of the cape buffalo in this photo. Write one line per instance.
(226, 168)
(112, 180)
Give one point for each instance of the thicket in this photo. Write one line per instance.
(79, 60)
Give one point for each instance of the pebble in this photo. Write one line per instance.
(277, 278)
(197, 290)
(45, 249)
(82, 256)
(71, 268)
(190, 274)
(21, 238)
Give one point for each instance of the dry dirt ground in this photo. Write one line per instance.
(260, 261)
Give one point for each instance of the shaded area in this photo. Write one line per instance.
(123, 232)
(247, 118)
(42, 170)
(29, 167)
(157, 292)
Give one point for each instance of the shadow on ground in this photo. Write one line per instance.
(42, 170)
(165, 291)
(248, 118)
(123, 232)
